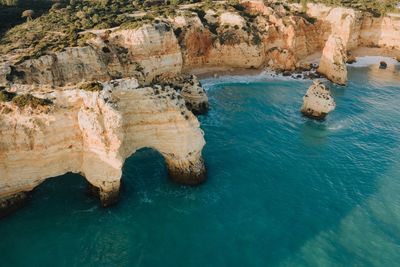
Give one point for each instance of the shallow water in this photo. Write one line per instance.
(282, 190)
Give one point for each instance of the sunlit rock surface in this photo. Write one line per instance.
(92, 133)
(318, 101)
(333, 61)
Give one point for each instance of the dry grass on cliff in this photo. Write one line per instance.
(6, 96)
(60, 27)
(92, 87)
(26, 100)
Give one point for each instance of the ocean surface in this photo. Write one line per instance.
(282, 190)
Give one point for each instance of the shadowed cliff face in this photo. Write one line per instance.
(94, 132)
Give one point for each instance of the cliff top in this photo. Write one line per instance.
(72, 23)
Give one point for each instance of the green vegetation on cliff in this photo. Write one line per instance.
(57, 24)
(22, 101)
(92, 86)
(59, 27)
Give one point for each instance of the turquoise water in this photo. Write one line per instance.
(282, 190)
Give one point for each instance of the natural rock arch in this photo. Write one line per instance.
(92, 133)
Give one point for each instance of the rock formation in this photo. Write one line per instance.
(333, 61)
(190, 89)
(380, 32)
(318, 101)
(93, 132)
(143, 53)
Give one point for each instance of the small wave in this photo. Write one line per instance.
(263, 76)
(337, 126)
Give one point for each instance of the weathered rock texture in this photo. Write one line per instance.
(333, 61)
(190, 89)
(93, 133)
(381, 32)
(318, 101)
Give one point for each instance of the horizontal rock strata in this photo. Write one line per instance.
(93, 132)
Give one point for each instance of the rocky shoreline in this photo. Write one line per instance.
(86, 109)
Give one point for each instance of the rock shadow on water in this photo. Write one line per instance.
(142, 173)
(68, 190)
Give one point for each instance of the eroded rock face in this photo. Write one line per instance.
(92, 133)
(318, 101)
(231, 46)
(190, 89)
(342, 22)
(333, 61)
(380, 32)
(195, 96)
(154, 46)
(142, 53)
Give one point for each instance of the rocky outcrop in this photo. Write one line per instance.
(93, 132)
(229, 45)
(142, 53)
(195, 96)
(190, 89)
(333, 61)
(318, 101)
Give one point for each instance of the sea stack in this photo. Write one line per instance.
(318, 101)
(333, 61)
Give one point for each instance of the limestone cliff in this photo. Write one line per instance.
(259, 36)
(351, 30)
(93, 132)
(344, 23)
(381, 32)
(142, 53)
(333, 61)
